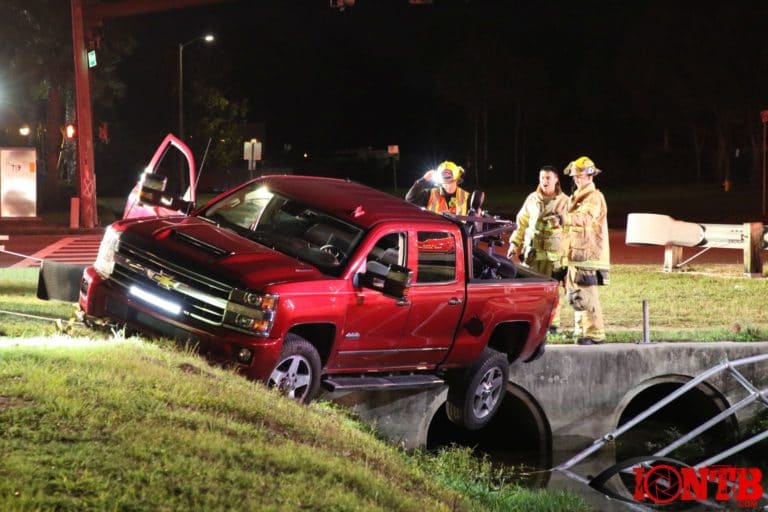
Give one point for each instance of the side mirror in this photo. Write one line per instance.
(393, 280)
(152, 193)
(151, 188)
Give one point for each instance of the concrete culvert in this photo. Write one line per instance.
(518, 435)
(675, 420)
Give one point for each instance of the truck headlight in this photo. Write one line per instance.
(105, 259)
(251, 312)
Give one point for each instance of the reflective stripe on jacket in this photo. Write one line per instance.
(437, 203)
(586, 227)
(534, 233)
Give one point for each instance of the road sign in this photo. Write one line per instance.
(252, 153)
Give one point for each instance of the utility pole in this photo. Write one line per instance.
(81, 19)
(85, 160)
(764, 119)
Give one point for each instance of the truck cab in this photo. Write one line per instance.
(302, 282)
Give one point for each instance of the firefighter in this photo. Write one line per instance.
(537, 239)
(439, 190)
(586, 251)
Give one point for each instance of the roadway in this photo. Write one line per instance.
(21, 251)
(28, 249)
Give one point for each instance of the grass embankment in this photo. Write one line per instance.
(136, 426)
(111, 424)
(128, 425)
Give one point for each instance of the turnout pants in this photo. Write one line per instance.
(588, 315)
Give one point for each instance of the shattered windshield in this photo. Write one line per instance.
(287, 226)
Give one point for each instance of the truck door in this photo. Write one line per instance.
(373, 330)
(437, 296)
(174, 173)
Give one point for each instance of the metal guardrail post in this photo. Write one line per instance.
(646, 322)
(753, 249)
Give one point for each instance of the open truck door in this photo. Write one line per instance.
(149, 198)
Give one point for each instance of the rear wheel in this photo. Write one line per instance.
(475, 395)
(297, 372)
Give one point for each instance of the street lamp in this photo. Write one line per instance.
(207, 38)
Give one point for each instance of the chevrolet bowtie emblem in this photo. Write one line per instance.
(164, 281)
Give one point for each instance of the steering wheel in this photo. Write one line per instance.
(333, 251)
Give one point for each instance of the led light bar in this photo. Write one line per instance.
(164, 304)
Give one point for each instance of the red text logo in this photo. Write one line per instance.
(663, 484)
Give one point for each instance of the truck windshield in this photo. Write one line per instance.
(287, 226)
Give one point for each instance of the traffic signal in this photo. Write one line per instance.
(104, 132)
(70, 131)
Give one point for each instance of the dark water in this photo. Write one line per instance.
(516, 441)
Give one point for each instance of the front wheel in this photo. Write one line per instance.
(475, 395)
(297, 372)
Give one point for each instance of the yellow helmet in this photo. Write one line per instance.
(582, 165)
(449, 171)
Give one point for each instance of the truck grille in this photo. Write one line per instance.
(202, 298)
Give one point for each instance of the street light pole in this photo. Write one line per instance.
(207, 38)
(181, 91)
(763, 210)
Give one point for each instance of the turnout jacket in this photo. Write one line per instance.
(538, 232)
(586, 227)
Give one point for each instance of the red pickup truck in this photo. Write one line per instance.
(303, 282)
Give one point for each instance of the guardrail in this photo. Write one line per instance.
(674, 235)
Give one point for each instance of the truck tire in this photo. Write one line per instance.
(297, 372)
(475, 395)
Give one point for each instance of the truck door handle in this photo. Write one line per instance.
(454, 301)
(403, 302)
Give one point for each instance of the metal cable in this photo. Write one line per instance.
(20, 255)
(36, 317)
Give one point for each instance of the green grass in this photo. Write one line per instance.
(128, 425)
(23, 314)
(704, 303)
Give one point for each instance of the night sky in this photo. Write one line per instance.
(626, 83)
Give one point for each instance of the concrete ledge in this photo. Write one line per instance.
(403, 417)
(584, 390)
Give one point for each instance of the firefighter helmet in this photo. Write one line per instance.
(580, 166)
(449, 172)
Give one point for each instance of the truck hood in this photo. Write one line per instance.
(216, 252)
